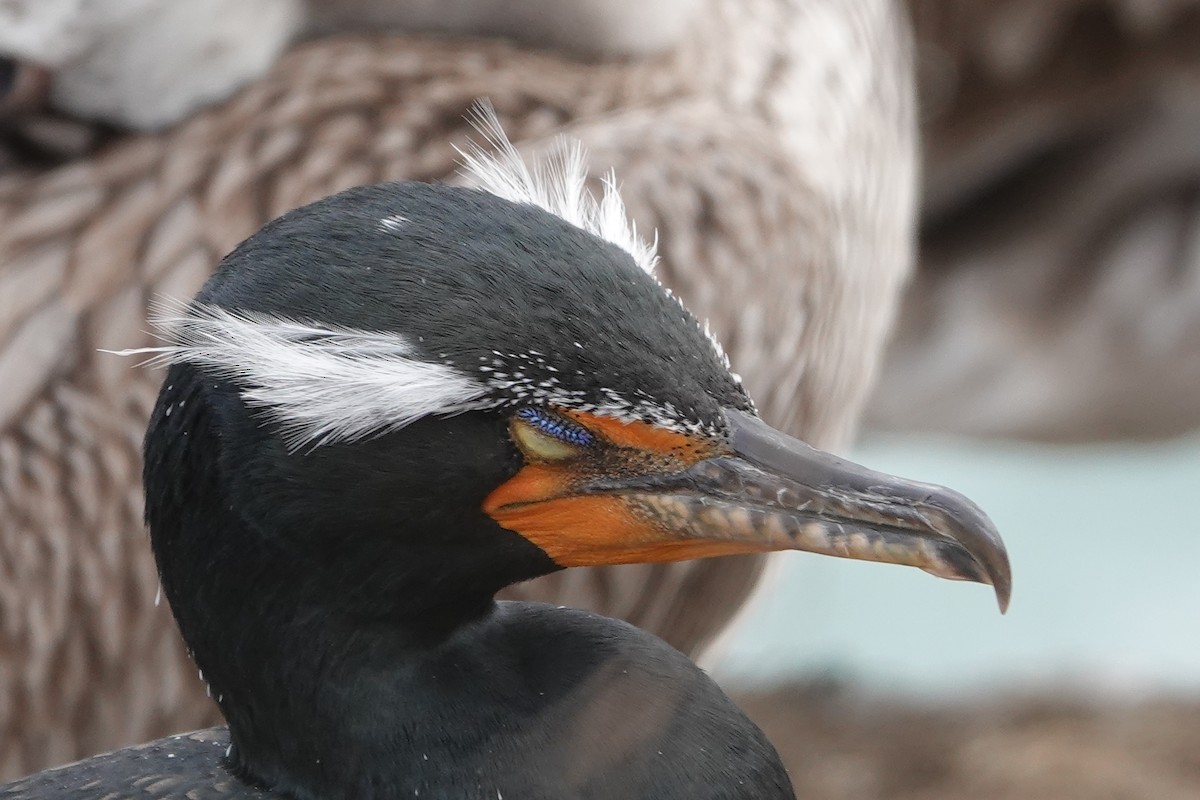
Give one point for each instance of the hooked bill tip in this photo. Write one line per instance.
(1003, 595)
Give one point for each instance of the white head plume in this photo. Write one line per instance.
(556, 183)
(320, 383)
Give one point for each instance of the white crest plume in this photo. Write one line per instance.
(556, 183)
(321, 384)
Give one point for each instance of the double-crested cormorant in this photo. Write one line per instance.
(390, 404)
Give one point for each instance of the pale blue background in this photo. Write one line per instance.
(1105, 545)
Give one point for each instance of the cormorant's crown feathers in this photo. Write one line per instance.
(557, 183)
(459, 302)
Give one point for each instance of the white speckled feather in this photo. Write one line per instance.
(322, 384)
(555, 183)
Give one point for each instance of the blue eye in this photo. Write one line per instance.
(552, 425)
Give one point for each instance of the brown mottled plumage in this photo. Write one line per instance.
(777, 163)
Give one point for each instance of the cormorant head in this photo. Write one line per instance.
(492, 379)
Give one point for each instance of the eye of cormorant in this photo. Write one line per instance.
(547, 436)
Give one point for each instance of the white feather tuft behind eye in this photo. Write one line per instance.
(321, 384)
(556, 183)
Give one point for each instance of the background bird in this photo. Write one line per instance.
(1058, 296)
(780, 177)
(146, 64)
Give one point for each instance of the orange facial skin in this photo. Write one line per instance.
(541, 501)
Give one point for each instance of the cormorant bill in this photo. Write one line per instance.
(388, 405)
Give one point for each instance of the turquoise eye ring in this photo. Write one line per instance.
(560, 428)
